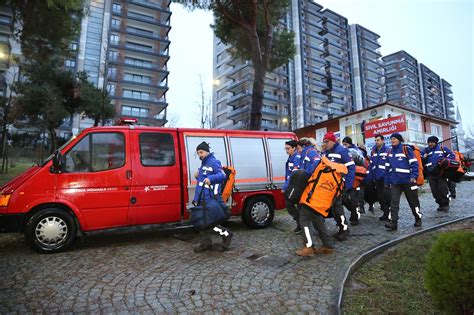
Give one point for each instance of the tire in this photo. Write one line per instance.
(51, 230)
(259, 212)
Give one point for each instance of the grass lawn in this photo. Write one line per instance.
(393, 282)
(19, 167)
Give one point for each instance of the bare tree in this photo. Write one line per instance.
(204, 108)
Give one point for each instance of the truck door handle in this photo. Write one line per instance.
(129, 174)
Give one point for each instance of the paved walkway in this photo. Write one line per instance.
(154, 272)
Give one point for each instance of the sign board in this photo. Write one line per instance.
(385, 126)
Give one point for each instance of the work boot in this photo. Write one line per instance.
(391, 226)
(355, 222)
(444, 208)
(417, 223)
(341, 235)
(323, 250)
(202, 246)
(298, 230)
(226, 240)
(383, 218)
(305, 252)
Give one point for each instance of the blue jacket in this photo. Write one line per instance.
(435, 155)
(291, 164)
(340, 154)
(376, 170)
(309, 160)
(210, 168)
(399, 167)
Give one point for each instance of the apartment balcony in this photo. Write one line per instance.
(151, 69)
(161, 6)
(136, 51)
(146, 121)
(134, 32)
(157, 88)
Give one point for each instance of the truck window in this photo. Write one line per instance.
(278, 156)
(248, 157)
(96, 152)
(217, 145)
(157, 149)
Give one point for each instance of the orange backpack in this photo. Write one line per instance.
(228, 183)
(324, 185)
(359, 176)
(416, 151)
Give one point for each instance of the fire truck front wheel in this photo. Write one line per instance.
(259, 212)
(50, 230)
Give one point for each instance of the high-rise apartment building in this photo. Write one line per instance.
(412, 84)
(318, 83)
(6, 31)
(402, 84)
(232, 92)
(367, 68)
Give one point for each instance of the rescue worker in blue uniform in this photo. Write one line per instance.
(439, 185)
(309, 156)
(291, 164)
(401, 174)
(376, 175)
(210, 177)
(356, 196)
(339, 154)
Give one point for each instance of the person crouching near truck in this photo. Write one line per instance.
(401, 169)
(291, 165)
(209, 177)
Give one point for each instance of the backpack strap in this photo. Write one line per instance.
(315, 182)
(405, 150)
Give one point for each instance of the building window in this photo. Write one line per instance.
(73, 46)
(114, 39)
(135, 111)
(436, 130)
(116, 22)
(116, 7)
(113, 55)
(111, 89)
(138, 62)
(137, 78)
(112, 72)
(136, 94)
(70, 63)
(157, 149)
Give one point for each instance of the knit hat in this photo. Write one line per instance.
(397, 136)
(203, 146)
(330, 136)
(433, 139)
(347, 140)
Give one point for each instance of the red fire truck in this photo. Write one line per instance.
(116, 176)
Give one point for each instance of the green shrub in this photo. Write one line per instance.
(449, 272)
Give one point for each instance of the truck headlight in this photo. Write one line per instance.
(4, 199)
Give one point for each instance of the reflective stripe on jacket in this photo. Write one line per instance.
(291, 164)
(340, 154)
(376, 170)
(435, 155)
(399, 167)
(210, 168)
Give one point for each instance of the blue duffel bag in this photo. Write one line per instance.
(209, 211)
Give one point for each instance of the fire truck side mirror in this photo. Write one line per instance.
(57, 162)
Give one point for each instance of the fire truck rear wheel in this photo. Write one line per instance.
(51, 230)
(258, 213)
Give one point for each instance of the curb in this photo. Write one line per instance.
(365, 257)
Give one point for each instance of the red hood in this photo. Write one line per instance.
(17, 181)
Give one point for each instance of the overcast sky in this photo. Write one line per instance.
(438, 33)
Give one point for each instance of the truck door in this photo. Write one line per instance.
(156, 177)
(94, 178)
(278, 158)
(218, 147)
(250, 161)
